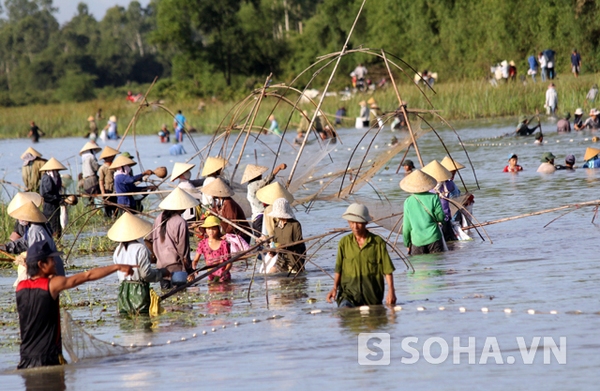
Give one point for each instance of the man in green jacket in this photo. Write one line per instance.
(422, 213)
(362, 264)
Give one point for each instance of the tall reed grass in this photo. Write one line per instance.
(470, 99)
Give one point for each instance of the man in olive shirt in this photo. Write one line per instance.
(361, 265)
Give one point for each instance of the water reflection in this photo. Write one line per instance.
(219, 298)
(374, 319)
(44, 379)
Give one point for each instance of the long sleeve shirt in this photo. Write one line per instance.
(422, 213)
(174, 251)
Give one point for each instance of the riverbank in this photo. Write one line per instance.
(454, 101)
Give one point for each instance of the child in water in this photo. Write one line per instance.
(215, 250)
(512, 164)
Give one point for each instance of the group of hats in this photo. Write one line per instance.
(24, 206)
(423, 180)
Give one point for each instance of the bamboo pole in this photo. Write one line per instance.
(577, 206)
(402, 108)
(337, 63)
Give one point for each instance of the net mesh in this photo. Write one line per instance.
(81, 345)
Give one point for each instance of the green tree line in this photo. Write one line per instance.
(227, 47)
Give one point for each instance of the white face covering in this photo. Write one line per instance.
(23, 223)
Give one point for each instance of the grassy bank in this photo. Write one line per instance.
(455, 100)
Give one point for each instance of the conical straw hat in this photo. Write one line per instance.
(218, 188)
(108, 152)
(179, 169)
(451, 164)
(52, 165)
(121, 161)
(371, 101)
(252, 171)
(129, 227)
(112, 118)
(212, 165)
(21, 198)
(270, 193)
(31, 151)
(90, 118)
(417, 182)
(28, 212)
(178, 199)
(436, 170)
(590, 153)
(90, 146)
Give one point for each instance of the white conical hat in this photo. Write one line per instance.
(121, 161)
(451, 164)
(270, 193)
(179, 169)
(212, 165)
(21, 198)
(178, 199)
(108, 152)
(52, 165)
(31, 151)
(252, 171)
(436, 170)
(28, 212)
(129, 227)
(218, 188)
(282, 209)
(417, 182)
(90, 146)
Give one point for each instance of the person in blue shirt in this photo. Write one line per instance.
(533, 66)
(177, 149)
(125, 183)
(274, 128)
(592, 160)
(179, 125)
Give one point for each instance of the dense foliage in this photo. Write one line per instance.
(226, 47)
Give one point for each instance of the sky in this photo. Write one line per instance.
(68, 8)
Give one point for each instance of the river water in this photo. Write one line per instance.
(526, 266)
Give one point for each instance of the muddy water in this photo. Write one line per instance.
(282, 346)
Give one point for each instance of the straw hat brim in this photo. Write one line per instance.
(89, 146)
(212, 165)
(436, 170)
(129, 227)
(108, 152)
(451, 164)
(180, 169)
(417, 182)
(270, 193)
(121, 161)
(28, 212)
(31, 151)
(112, 118)
(90, 118)
(217, 188)
(252, 171)
(21, 198)
(53, 165)
(590, 153)
(178, 199)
